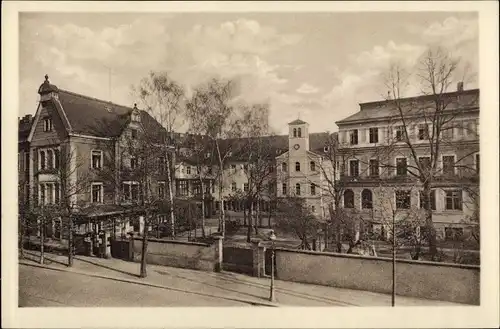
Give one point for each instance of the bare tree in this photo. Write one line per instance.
(210, 113)
(435, 117)
(163, 99)
(295, 216)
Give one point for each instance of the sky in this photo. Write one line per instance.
(316, 66)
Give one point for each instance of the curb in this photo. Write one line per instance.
(154, 285)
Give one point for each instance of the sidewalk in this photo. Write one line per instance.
(225, 285)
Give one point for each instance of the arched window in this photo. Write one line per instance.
(366, 199)
(294, 132)
(299, 132)
(283, 166)
(313, 166)
(348, 199)
(297, 189)
(297, 166)
(42, 159)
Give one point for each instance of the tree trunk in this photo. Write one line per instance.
(257, 218)
(144, 273)
(202, 208)
(170, 196)
(271, 209)
(250, 223)
(70, 240)
(244, 215)
(431, 231)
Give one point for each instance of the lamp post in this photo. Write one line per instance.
(272, 237)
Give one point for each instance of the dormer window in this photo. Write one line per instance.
(326, 149)
(47, 124)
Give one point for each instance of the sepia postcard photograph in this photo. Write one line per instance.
(180, 164)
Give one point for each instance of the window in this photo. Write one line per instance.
(96, 159)
(294, 132)
(41, 194)
(188, 170)
(299, 132)
(374, 168)
(453, 200)
(313, 166)
(297, 189)
(313, 209)
(453, 233)
(425, 163)
(57, 193)
(313, 189)
(19, 162)
(366, 199)
(401, 167)
(26, 161)
(423, 132)
(57, 159)
(133, 162)
(297, 166)
(284, 189)
(448, 133)
(400, 132)
(130, 191)
(161, 165)
(42, 160)
(283, 166)
(271, 168)
(403, 199)
(50, 159)
(47, 124)
(183, 187)
(245, 187)
(477, 162)
(348, 199)
(232, 168)
(270, 188)
(133, 133)
(448, 164)
(353, 168)
(433, 200)
(50, 193)
(373, 135)
(233, 187)
(97, 194)
(161, 190)
(354, 137)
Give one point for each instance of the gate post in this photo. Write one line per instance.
(257, 258)
(219, 253)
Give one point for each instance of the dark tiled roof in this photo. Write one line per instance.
(297, 122)
(95, 117)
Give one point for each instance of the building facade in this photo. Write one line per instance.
(379, 150)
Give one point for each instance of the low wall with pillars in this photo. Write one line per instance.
(430, 280)
(192, 255)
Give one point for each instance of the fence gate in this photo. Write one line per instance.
(237, 260)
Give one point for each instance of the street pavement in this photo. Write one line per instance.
(84, 284)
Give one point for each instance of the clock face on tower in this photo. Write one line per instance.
(296, 146)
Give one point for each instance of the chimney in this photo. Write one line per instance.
(460, 86)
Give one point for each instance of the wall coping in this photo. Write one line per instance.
(175, 242)
(385, 259)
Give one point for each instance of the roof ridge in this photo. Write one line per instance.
(94, 98)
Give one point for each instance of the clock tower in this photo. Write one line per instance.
(298, 137)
